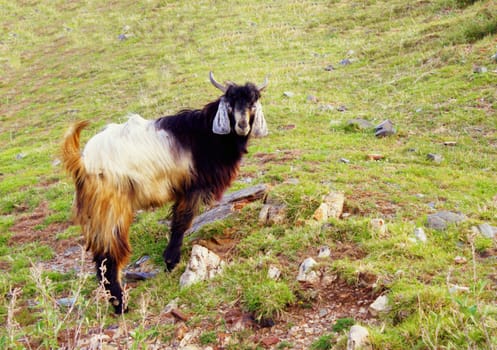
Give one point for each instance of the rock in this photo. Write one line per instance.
(358, 338)
(324, 252)
(306, 272)
(56, 163)
(132, 276)
(203, 265)
(345, 62)
(288, 94)
(454, 288)
(270, 340)
(312, 98)
(375, 156)
(273, 272)
(379, 226)
(344, 160)
(359, 124)
(332, 207)
(479, 69)
(450, 143)
(329, 68)
(437, 158)
(460, 260)
(420, 234)
(384, 129)
(440, 220)
(66, 302)
(173, 304)
(20, 156)
(341, 108)
(380, 305)
(272, 214)
(487, 231)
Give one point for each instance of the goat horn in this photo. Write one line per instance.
(263, 85)
(216, 84)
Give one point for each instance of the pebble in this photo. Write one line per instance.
(329, 68)
(487, 231)
(332, 207)
(288, 94)
(420, 234)
(384, 129)
(344, 160)
(306, 272)
(479, 69)
(378, 225)
(440, 220)
(375, 156)
(203, 265)
(380, 305)
(324, 252)
(437, 158)
(272, 214)
(359, 123)
(358, 338)
(273, 272)
(345, 62)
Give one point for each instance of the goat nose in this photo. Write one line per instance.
(243, 124)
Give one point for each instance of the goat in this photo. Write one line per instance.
(189, 158)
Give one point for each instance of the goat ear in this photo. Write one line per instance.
(221, 124)
(259, 127)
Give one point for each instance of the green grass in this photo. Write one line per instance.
(412, 63)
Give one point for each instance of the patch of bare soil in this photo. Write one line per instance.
(367, 203)
(30, 228)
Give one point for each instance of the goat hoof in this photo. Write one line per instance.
(170, 265)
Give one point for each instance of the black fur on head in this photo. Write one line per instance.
(241, 105)
(239, 109)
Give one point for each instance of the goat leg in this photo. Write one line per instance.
(183, 213)
(108, 274)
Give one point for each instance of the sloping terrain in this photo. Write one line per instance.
(336, 69)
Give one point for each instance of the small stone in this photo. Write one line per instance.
(494, 57)
(122, 37)
(454, 288)
(273, 272)
(344, 160)
(272, 214)
(358, 338)
(288, 94)
(375, 156)
(326, 107)
(306, 272)
(450, 143)
(460, 260)
(66, 302)
(359, 123)
(271, 340)
(487, 231)
(329, 68)
(378, 225)
(332, 207)
(180, 331)
(380, 305)
(324, 252)
(173, 304)
(345, 62)
(384, 129)
(323, 312)
(420, 234)
(437, 158)
(440, 220)
(56, 163)
(312, 98)
(341, 108)
(479, 69)
(20, 156)
(203, 265)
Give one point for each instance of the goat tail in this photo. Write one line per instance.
(71, 156)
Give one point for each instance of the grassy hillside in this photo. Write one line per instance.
(424, 65)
